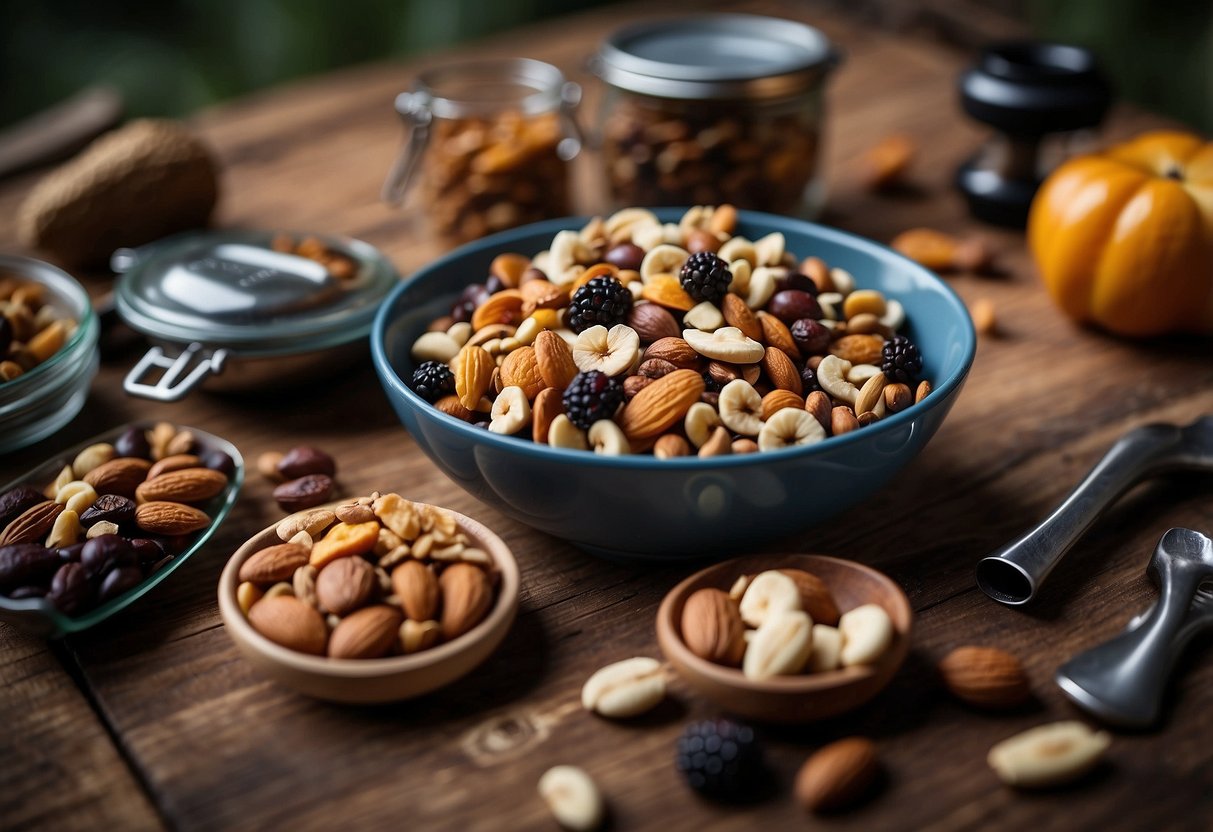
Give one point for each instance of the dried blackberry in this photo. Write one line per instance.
(603, 300)
(433, 380)
(592, 396)
(720, 759)
(901, 360)
(705, 276)
(808, 380)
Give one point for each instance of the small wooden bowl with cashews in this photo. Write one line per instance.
(423, 604)
(859, 622)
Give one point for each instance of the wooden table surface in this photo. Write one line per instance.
(153, 719)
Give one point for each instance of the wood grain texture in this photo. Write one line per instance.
(218, 746)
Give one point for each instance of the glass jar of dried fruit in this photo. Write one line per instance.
(713, 109)
(488, 146)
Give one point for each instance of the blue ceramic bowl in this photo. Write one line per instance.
(642, 507)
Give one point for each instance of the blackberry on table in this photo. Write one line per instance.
(602, 300)
(720, 759)
(592, 396)
(705, 276)
(901, 360)
(432, 380)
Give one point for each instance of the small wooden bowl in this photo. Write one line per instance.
(789, 699)
(374, 680)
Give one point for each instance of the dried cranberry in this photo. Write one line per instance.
(811, 336)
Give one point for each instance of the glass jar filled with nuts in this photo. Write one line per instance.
(712, 109)
(488, 148)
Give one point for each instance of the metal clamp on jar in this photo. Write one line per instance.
(245, 310)
(487, 147)
(713, 109)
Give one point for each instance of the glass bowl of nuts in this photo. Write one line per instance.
(786, 638)
(48, 350)
(376, 599)
(95, 528)
(673, 383)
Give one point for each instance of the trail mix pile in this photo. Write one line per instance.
(631, 336)
(32, 330)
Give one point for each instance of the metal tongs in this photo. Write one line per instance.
(1014, 574)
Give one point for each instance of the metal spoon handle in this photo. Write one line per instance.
(1015, 573)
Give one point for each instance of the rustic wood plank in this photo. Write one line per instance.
(220, 746)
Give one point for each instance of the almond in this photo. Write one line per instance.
(32, 524)
(466, 598)
(473, 368)
(170, 519)
(838, 775)
(521, 369)
(661, 405)
(286, 620)
(712, 627)
(555, 359)
(274, 563)
(815, 597)
(417, 586)
(884, 163)
(368, 633)
(737, 314)
(119, 476)
(775, 333)
(676, 351)
(345, 585)
(818, 404)
(173, 463)
(451, 406)
(780, 370)
(858, 349)
(547, 406)
(652, 323)
(985, 677)
(190, 485)
(504, 307)
(509, 267)
(665, 290)
(777, 400)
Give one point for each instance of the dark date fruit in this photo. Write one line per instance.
(14, 502)
(105, 552)
(304, 492)
(217, 460)
(811, 336)
(71, 591)
(26, 563)
(111, 507)
(797, 281)
(119, 581)
(146, 550)
(792, 305)
(133, 442)
(303, 460)
(70, 553)
(625, 256)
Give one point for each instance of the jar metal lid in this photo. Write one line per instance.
(716, 56)
(231, 290)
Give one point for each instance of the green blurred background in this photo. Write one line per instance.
(171, 57)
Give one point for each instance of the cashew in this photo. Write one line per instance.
(705, 317)
(651, 236)
(460, 332)
(860, 373)
(696, 218)
(738, 248)
(741, 271)
(895, 315)
(741, 407)
(662, 259)
(832, 376)
(607, 438)
(612, 352)
(562, 256)
(769, 249)
(76, 496)
(867, 632)
(621, 225)
(700, 421)
(844, 283)
(511, 411)
(762, 287)
(435, 346)
(789, 427)
(564, 434)
(725, 344)
(831, 305)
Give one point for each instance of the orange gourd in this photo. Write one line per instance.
(1124, 238)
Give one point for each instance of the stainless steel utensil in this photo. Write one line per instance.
(1122, 681)
(1015, 573)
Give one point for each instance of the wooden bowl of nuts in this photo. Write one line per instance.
(376, 599)
(786, 638)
